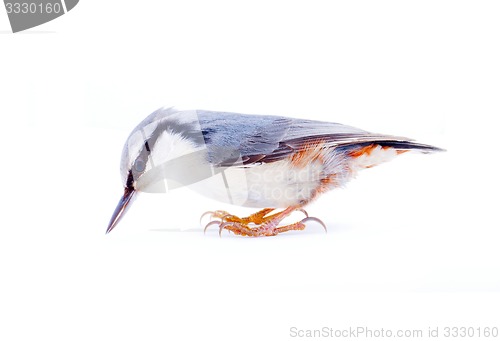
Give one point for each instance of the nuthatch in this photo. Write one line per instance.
(249, 160)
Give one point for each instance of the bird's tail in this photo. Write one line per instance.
(410, 145)
(400, 145)
(369, 154)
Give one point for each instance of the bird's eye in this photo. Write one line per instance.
(139, 166)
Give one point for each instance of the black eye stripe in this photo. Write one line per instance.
(130, 180)
(144, 153)
(139, 165)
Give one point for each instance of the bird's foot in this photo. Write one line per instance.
(264, 225)
(257, 218)
(267, 229)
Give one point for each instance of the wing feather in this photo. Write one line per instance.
(251, 139)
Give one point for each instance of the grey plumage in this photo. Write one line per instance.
(265, 138)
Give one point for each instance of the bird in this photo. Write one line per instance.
(276, 164)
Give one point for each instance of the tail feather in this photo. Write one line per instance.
(369, 154)
(410, 145)
(396, 144)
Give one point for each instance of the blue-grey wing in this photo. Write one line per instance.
(233, 139)
(237, 138)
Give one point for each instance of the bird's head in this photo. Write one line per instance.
(159, 148)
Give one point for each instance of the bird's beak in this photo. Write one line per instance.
(121, 208)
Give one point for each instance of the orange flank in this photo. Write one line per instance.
(365, 150)
(368, 149)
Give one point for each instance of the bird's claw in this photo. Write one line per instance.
(214, 214)
(305, 220)
(213, 222)
(303, 211)
(269, 227)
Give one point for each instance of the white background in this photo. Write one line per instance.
(411, 244)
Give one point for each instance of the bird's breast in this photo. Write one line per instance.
(293, 181)
(281, 183)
